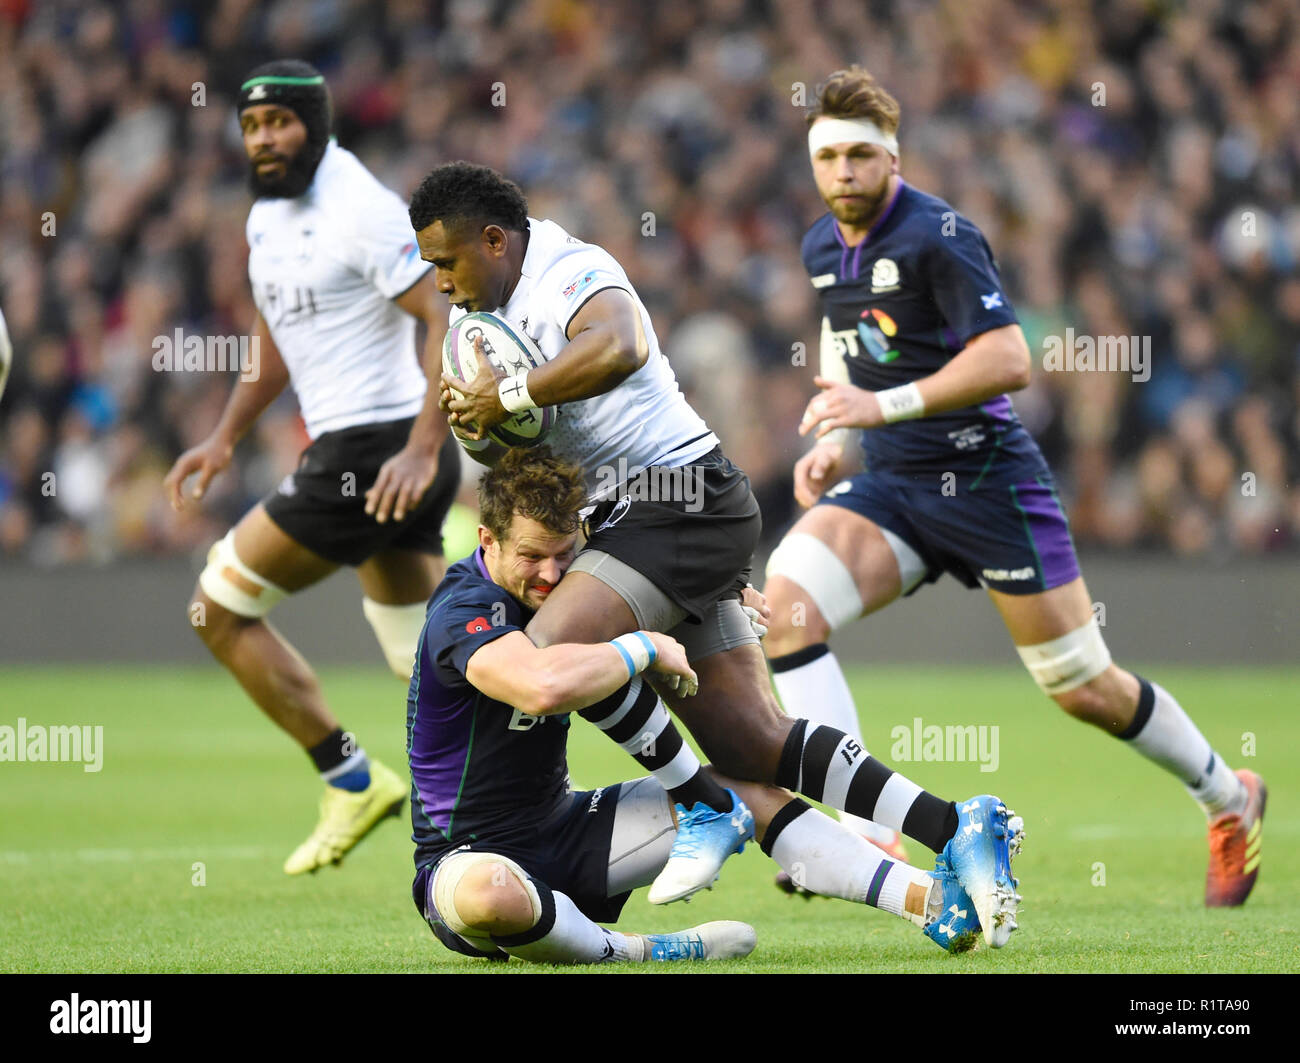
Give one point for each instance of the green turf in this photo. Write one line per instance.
(97, 869)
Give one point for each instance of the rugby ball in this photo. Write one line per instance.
(512, 352)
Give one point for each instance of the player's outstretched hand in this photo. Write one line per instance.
(754, 603)
(672, 671)
(816, 471)
(840, 406)
(207, 459)
(479, 406)
(401, 483)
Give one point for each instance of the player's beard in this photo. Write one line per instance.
(866, 210)
(293, 182)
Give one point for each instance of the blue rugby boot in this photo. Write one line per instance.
(705, 839)
(721, 940)
(951, 920)
(988, 835)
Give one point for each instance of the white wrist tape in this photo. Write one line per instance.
(901, 404)
(638, 651)
(513, 393)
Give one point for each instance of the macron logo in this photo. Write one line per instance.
(102, 1016)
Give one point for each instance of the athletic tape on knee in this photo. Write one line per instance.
(806, 560)
(397, 627)
(448, 875)
(221, 581)
(1063, 664)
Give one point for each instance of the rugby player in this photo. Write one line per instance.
(338, 286)
(672, 531)
(920, 345)
(511, 862)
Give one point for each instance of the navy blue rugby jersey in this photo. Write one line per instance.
(900, 305)
(479, 768)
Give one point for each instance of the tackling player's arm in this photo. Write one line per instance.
(991, 364)
(607, 344)
(569, 676)
(404, 477)
(250, 396)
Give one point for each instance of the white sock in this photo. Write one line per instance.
(1166, 735)
(824, 857)
(818, 692)
(571, 937)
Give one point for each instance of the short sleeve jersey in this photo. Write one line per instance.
(900, 305)
(325, 269)
(645, 420)
(478, 766)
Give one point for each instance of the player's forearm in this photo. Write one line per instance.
(430, 428)
(429, 431)
(983, 371)
(595, 361)
(247, 401)
(568, 677)
(253, 392)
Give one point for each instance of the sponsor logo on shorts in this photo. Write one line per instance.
(620, 511)
(1003, 575)
(595, 799)
(967, 438)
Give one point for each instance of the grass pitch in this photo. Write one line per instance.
(169, 858)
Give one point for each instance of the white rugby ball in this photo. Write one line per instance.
(512, 352)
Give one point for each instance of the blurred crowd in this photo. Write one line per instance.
(1134, 165)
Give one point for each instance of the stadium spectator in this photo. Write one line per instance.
(1135, 168)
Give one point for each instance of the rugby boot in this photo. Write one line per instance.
(346, 818)
(1235, 841)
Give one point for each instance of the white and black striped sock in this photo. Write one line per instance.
(829, 766)
(637, 721)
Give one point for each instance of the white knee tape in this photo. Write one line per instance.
(397, 627)
(809, 562)
(1063, 664)
(454, 868)
(219, 582)
(911, 569)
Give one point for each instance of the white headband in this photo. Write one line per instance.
(849, 131)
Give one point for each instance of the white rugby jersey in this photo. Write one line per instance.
(324, 269)
(645, 420)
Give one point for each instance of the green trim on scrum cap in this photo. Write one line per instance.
(276, 79)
